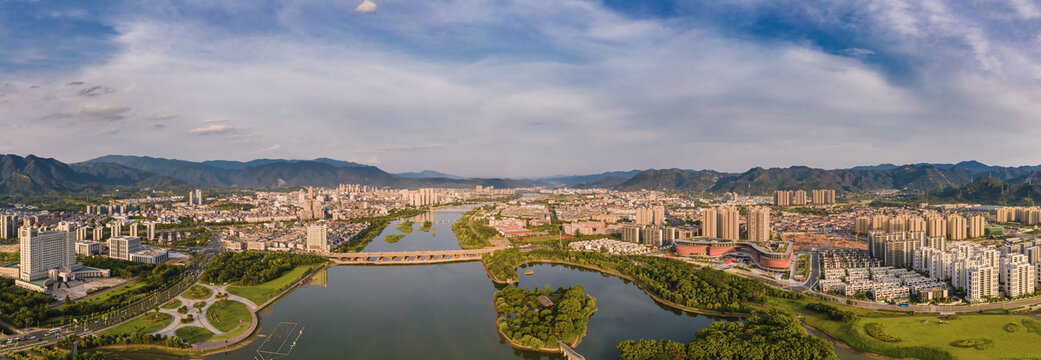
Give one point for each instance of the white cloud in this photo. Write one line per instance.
(215, 120)
(213, 129)
(367, 7)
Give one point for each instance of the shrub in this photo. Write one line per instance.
(878, 331)
(978, 344)
(1012, 327)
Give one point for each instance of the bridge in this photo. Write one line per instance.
(408, 257)
(570, 353)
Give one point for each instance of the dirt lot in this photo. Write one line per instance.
(805, 241)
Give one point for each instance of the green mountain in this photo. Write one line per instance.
(990, 191)
(760, 181)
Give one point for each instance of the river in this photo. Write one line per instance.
(446, 311)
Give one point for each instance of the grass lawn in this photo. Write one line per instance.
(145, 323)
(194, 334)
(260, 293)
(928, 331)
(131, 287)
(173, 304)
(138, 354)
(924, 336)
(197, 292)
(238, 331)
(393, 238)
(225, 315)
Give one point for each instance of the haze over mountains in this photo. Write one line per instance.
(32, 174)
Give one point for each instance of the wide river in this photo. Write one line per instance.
(445, 311)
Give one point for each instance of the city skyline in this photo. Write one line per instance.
(496, 89)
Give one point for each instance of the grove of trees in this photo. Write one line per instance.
(527, 323)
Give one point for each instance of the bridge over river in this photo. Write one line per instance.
(408, 257)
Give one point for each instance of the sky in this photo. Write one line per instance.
(517, 88)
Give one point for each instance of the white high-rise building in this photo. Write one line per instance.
(1017, 276)
(982, 283)
(977, 227)
(317, 238)
(45, 251)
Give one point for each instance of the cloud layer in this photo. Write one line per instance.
(524, 88)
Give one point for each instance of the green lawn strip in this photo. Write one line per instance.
(225, 314)
(173, 304)
(146, 323)
(260, 293)
(393, 238)
(194, 334)
(238, 331)
(197, 292)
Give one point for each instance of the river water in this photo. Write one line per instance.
(446, 311)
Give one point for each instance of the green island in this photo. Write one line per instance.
(197, 292)
(147, 323)
(406, 227)
(537, 319)
(426, 226)
(473, 233)
(393, 238)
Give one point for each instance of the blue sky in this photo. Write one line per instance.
(527, 87)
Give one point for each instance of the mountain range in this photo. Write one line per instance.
(33, 175)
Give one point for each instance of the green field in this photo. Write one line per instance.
(173, 304)
(194, 334)
(145, 323)
(260, 293)
(197, 292)
(226, 314)
(928, 331)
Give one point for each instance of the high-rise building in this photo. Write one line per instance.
(710, 223)
(121, 247)
(977, 227)
(45, 251)
(317, 238)
(150, 226)
(823, 196)
(728, 220)
(878, 222)
(8, 226)
(133, 229)
(81, 233)
(654, 215)
(799, 197)
(758, 223)
(631, 233)
(981, 282)
(915, 224)
(115, 228)
(198, 197)
(782, 198)
(935, 226)
(956, 227)
(862, 225)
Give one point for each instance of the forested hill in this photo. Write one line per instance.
(760, 181)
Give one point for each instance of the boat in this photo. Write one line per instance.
(529, 272)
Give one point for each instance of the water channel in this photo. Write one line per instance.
(446, 311)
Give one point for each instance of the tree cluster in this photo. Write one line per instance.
(526, 322)
(254, 267)
(770, 334)
(833, 312)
